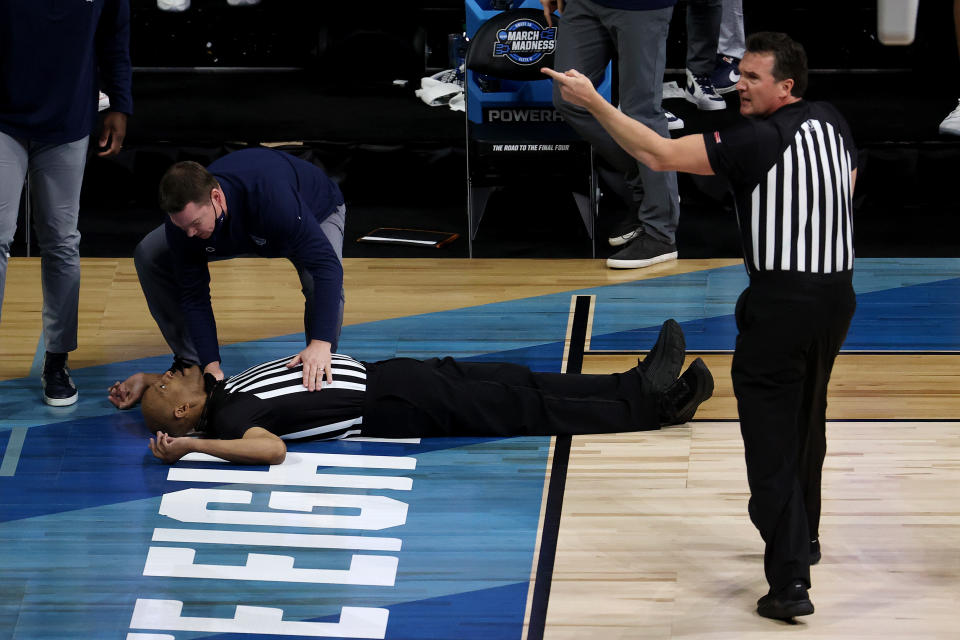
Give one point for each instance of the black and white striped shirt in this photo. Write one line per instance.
(273, 397)
(790, 174)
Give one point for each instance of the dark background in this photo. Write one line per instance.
(321, 75)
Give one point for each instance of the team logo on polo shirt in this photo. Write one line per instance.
(525, 42)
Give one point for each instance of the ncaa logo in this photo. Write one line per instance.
(525, 42)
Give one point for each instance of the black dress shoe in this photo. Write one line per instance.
(665, 360)
(683, 397)
(814, 551)
(791, 601)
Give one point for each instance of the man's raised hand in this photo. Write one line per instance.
(575, 87)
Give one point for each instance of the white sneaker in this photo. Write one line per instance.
(673, 121)
(173, 5)
(700, 92)
(951, 124)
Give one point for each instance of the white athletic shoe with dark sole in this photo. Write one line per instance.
(625, 231)
(951, 124)
(674, 121)
(620, 240)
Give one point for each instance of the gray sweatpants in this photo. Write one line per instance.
(732, 42)
(589, 36)
(703, 34)
(154, 264)
(56, 175)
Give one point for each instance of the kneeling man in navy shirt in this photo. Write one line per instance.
(252, 202)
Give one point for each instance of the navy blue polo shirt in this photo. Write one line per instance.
(54, 58)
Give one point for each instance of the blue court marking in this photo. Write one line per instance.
(703, 302)
(414, 619)
(921, 317)
(469, 535)
(36, 367)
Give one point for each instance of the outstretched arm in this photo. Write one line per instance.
(126, 394)
(257, 446)
(688, 154)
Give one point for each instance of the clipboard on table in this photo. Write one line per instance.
(409, 237)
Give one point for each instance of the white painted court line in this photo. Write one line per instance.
(12, 454)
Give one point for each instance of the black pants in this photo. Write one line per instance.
(791, 328)
(436, 398)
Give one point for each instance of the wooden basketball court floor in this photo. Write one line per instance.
(620, 536)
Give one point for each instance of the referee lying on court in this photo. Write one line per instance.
(245, 418)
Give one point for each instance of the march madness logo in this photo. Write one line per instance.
(525, 42)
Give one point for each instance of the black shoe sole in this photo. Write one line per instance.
(777, 610)
(665, 360)
(704, 390)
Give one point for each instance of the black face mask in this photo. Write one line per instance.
(220, 215)
(218, 223)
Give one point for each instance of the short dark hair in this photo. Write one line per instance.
(183, 183)
(789, 57)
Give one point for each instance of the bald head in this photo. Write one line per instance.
(175, 402)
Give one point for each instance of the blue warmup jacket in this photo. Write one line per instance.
(55, 56)
(275, 204)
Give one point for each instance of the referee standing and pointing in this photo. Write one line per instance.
(792, 169)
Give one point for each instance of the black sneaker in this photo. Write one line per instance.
(793, 600)
(58, 387)
(681, 399)
(815, 551)
(665, 360)
(625, 230)
(642, 252)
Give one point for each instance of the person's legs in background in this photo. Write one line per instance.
(13, 171)
(56, 176)
(585, 44)
(951, 124)
(332, 227)
(731, 46)
(640, 39)
(703, 32)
